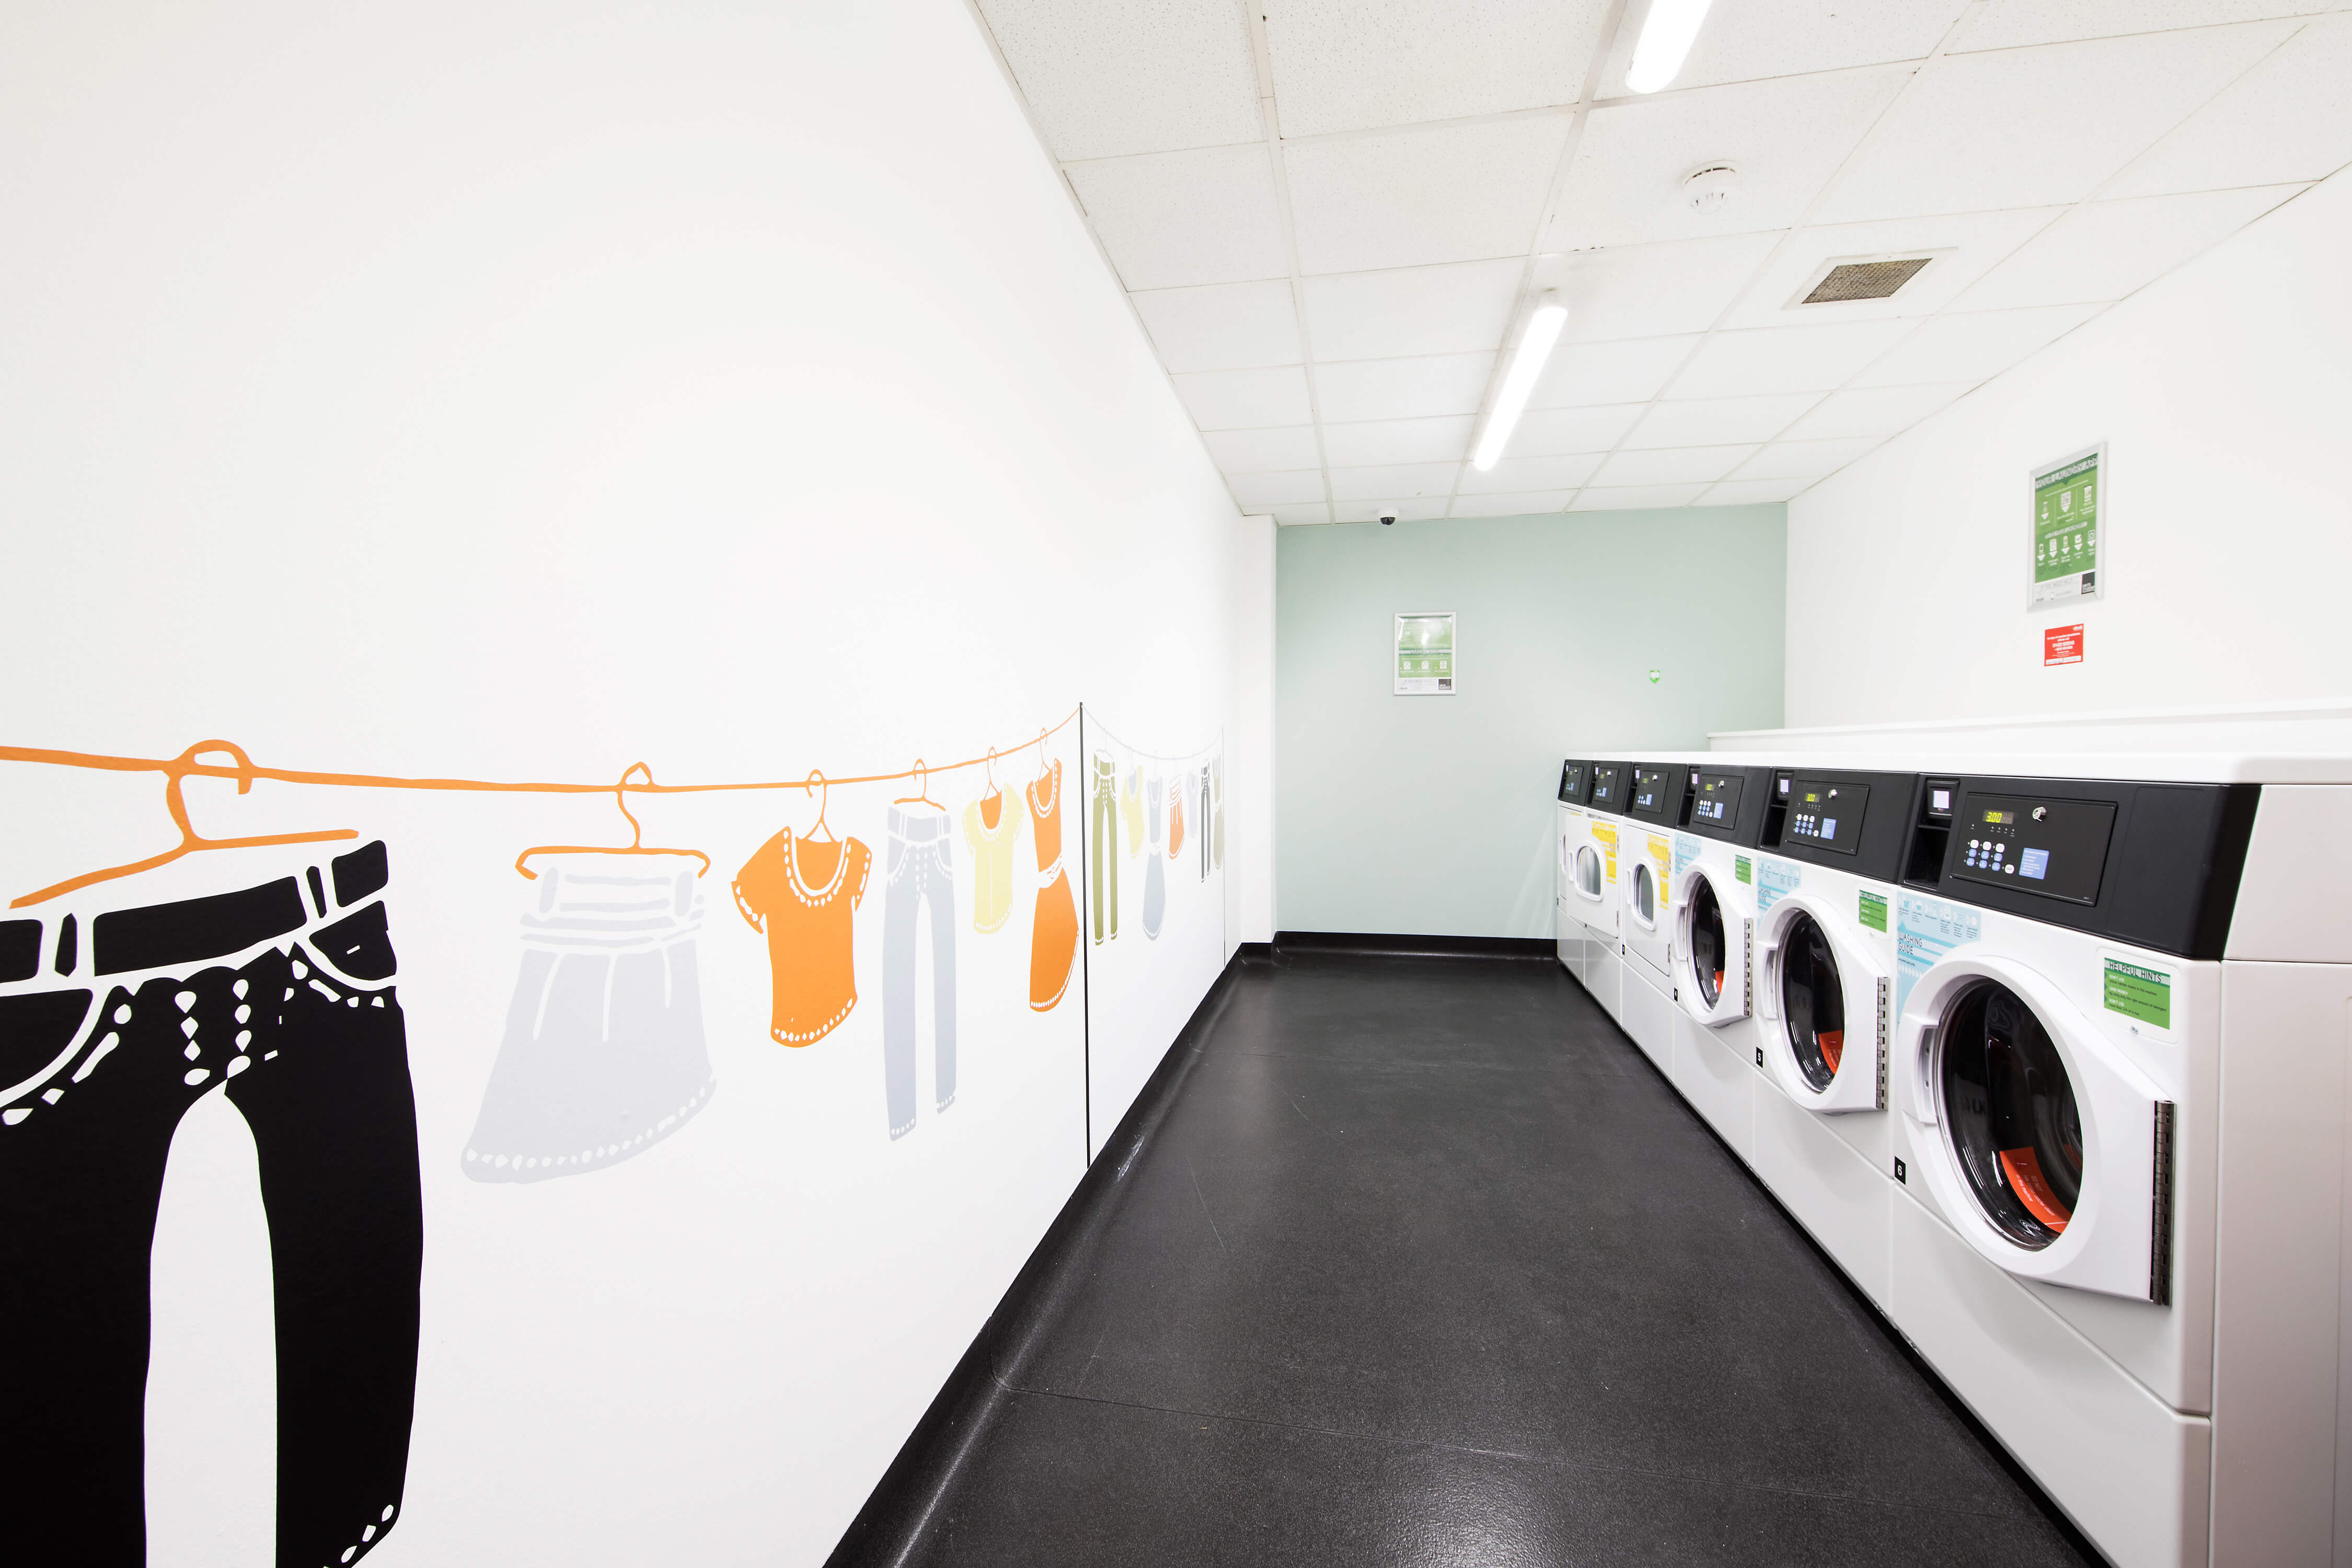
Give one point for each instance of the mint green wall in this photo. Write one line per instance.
(1431, 816)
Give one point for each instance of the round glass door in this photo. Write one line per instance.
(2010, 1112)
(1706, 941)
(1645, 895)
(1588, 870)
(1812, 999)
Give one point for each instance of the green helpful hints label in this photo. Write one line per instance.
(1742, 870)
(2142, 994)
(1874, 911)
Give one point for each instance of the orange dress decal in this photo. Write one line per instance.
(1054, 940)
(799, 893)
(1175, 818)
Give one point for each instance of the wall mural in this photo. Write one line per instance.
(276, 993)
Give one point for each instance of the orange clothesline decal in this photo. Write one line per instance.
(245, 771)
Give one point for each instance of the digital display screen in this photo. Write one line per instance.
(2054, 849)
(1827, 815)
(1999, 819)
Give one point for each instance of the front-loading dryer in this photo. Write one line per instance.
(1712, 942)
(1578, 874)
(1645, 914)
(1598, 881)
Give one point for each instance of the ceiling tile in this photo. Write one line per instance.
(1225, 326)
(2012, 24)
(1456, 193)
(1412, 310)
(1761, 361)
(1743, 40)
(1974, 346)
(1242, 399)
(1263, 451)
(1634, 497)
(1975, 244)
(1554, 432)
(1403, 511)
(1174, 219)
(1516, 473)
(1590, 374)
(1403, 388)
(1624, 184)
(1512, 503)
(1301, 516)
(1806, 460)
(1446, 440)
(2105, 250)
(1257, 491)
(1108, 76)
(1652, 290)
(1344, 65)
(1689, 465)
(1717, 421)
(1875, 411)
(2289, 119)
(2033, 128)
(1751, 492)
(1393, 481)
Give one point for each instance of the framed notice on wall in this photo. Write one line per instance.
(2068, 500)
(1425, 655)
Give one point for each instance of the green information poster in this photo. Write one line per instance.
(2138, 991)
(1425, 655)
(2066, 508)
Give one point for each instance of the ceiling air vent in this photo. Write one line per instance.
(1849, 277)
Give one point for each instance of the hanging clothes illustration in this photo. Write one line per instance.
(603, 1055)
(1102, 815)
(1200, 827)
(921, 881)
(284, 1007)
(1054, 940)
(1217, 788)
(1175, 816)
(799, 892)
(992, 826)
(1130, 808)
(1155, 876)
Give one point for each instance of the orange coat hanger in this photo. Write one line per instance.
(190, 840)
(994, 789)
(636, 845)
(922, 795)
(813, 783)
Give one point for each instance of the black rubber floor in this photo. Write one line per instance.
(1426, 1265)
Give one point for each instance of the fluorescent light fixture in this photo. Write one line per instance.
(1535, 347)
(1666, 39)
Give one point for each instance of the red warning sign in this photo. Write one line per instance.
(2062, 645)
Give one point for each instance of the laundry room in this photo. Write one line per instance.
(1576, 795)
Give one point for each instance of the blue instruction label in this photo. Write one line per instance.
(1925, 931)
(1775, 880)
(1687, 850)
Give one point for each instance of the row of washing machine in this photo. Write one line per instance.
(2051, 1059)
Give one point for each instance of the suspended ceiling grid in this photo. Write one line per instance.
(1332, 214)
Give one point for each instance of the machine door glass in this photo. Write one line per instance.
(2010, 1110)
(1588, 870)
(1812, 999)
(1706, 941)
(1645, 895)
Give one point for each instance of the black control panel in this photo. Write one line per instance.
(1827, 814)
(1575, 779)
(1606, 791)
(1728, 804)
(1655, 793)
(2056, 849)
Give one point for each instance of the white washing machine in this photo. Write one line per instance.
(2124, 1216)
(1714, 931)
(1646, 913)
(1579, 873)
(1604, 825)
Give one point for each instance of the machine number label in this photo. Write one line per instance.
(2138, 993)
(1873, 910)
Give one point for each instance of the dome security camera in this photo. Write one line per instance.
(1388, 520)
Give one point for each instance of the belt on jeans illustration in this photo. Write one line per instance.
(278, 1003)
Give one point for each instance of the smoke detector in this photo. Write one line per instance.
(1843, 279)
(1707, 190)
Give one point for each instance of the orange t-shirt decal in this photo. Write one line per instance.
(799, 892)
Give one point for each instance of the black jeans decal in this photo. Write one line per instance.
(318, 1068)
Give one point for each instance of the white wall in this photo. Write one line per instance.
(2224, 395)
(517, 393)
